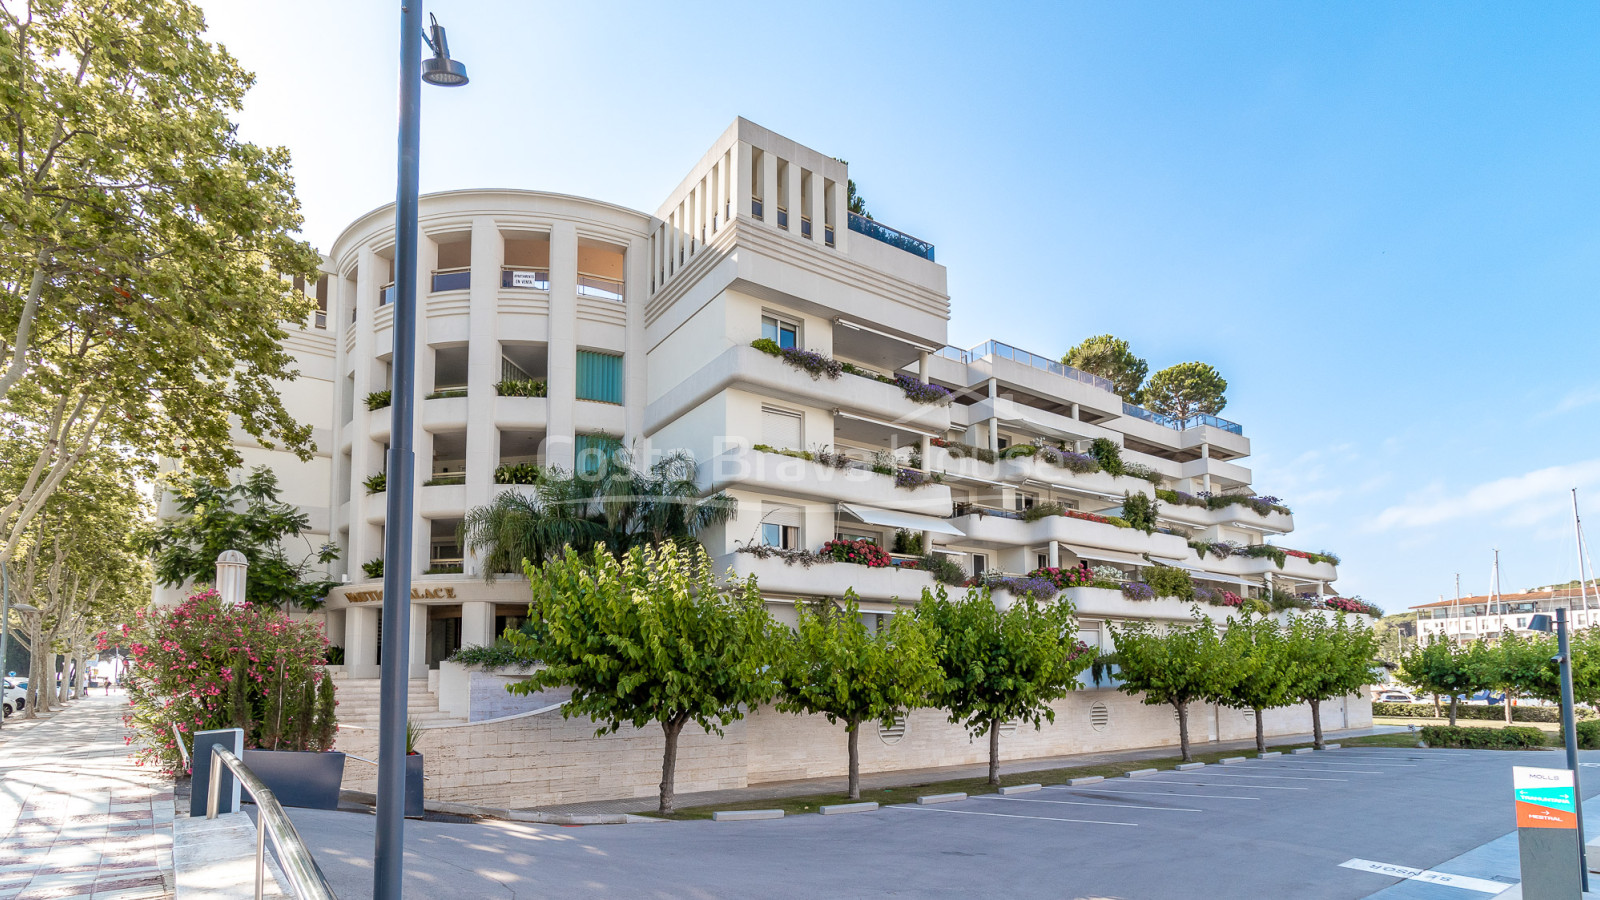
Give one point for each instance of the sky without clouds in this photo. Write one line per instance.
(1378, 220)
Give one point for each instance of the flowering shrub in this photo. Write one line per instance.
(920, 391)
(203, 665)
(808, 361)
(1078, 463)
(1105, 573)
(862, 553)
(1229, 598)
(1021, 585)
(1352, 605)
(911, 479)
(806, 558)
(959, 450)
(1072, 576)
(1138, 590)
(1092, 517)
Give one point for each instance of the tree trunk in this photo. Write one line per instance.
(1453, 702)
(1438, 711)
(994, 753)
(1261, 734)
(669, 761)
(1508, 706)
(1183, 730)
(1316, 724)
(854, 731)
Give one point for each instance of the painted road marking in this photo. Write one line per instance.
(1264, 787)
(969, 812)
(1465, 882)
(1331, 771)
(1291, 777)
(1324, 761)
(1163, 794)
(1083, 803)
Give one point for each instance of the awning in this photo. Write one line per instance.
(909, 521)
(1126, 559)
(1177, 564)
(899, 426)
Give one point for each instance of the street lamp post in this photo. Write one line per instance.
(5, 627)
(389, 837)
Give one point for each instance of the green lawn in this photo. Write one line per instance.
(1551, 727)
(808, 803)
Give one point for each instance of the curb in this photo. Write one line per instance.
(1270, 754)
(929, 799)
(1087, 779)
(1188, 767)
(1330, 746)
(1019, 789)
(1233, 760)
(1301, 751)
(745, 815)
(839, 809)
(1139, 773)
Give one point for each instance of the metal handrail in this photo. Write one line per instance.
(305, 877)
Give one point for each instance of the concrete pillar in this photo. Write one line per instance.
(361, 641)
(994, 435)
(563, 348)
(483, 368)
(633, 358)
(1053, 554)
(477, 623)
(1075, 411)
(417, 658)
(769, 188)
(922, 365)
(792, 202)
(366, 456)
(841, 221)
(815, 208)
(743, 173)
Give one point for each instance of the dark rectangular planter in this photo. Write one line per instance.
(414, 786)
(305, 778)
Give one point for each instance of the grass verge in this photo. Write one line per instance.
(808, 803)
(1549, 727)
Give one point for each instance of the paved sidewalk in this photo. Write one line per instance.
(871, 780)
(77, 818)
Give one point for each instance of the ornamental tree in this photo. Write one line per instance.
(648, 637)
(1329, 659)
(214, 515)
(833, 665)
(1110, 358)
(1265, 672)
(1441, 667)
(1180, 665)
(145, 251)
(1514, 665)
(1186, 390)
(1001, 666)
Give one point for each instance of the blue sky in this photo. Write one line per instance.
(1378, 220)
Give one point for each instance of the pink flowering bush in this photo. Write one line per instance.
(203, 665)
(1071, 576)
(863, 553)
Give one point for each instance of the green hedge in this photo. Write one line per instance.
(1589, 735)
(1463, 711)
(1515, 737)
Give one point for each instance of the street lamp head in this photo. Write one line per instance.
(441, 69)
(1540, 622)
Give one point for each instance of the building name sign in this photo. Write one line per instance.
(438, 593)
(1545, 798)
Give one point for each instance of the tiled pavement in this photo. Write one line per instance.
(77, 818)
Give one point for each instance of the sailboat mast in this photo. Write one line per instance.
(1577, 528)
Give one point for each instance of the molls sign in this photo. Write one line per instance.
(439, 593)
(1544, 798)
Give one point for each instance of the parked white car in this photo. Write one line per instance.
(16, 699)
(1396, 697)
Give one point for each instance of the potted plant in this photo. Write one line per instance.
(414, 774)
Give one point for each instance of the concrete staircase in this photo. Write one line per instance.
(358, 703)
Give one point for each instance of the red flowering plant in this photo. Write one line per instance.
(862, 553)
(1352, 605)
(1229, 598)
(1070, 576)
(1088, 517)
(202, 665)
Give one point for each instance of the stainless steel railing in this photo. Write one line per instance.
(305, 878)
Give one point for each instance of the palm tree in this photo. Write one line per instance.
(618, 505)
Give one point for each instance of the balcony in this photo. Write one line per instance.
(774, 473)
(451, 280)
(779, 580)
(1002, 530)
(891, 236)
(1139, 412)
(521, 278)
(386, 294)
(600, 288)
(998, 350)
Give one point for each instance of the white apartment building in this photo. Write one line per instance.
(640, 325)
(1466, 619)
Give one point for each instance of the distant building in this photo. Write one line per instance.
(1470, 618)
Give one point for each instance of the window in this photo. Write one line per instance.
(781, 428)
(1522, 621)
(1002, 443)
(589, 452)
(980, 562)
(784, 332)
(1025, 500)
(599, 377)
(780, 527)
(1041, 561)
(854, 536)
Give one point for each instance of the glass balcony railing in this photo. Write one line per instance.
(998, 350)
(891, 236)
(1139, 412)
(755, 207)
(451, 280)
(783, 217)
(531, 279)
(599, 288)
(827, 234)
(386, 294)
(805, 227)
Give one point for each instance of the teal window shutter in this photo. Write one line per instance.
(599, 377)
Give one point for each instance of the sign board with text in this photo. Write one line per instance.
(1547, 833)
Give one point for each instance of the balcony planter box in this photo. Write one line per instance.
(414, 786)
(307, 779)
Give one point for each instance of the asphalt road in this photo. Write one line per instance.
(1276, 828)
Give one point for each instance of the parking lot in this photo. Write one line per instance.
(1334, 824)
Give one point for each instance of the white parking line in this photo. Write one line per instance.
(1466, 882)
(1264, 787)
(968, 812)
(1326, 769)
(1339, 762)
(1083, 803)
(1291, 777)
(1090, 790)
